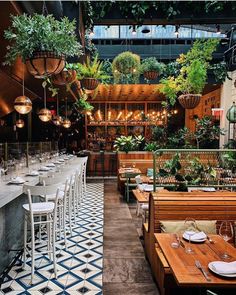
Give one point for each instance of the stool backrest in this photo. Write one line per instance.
(57, 179)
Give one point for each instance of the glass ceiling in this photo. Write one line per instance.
(156, 32)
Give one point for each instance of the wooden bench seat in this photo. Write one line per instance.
(172, 206)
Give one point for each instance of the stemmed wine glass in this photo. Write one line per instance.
(226, 232)
(190, 230)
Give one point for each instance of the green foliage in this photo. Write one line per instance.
(229, 160)
(180, 139)
(159, 134)
(91, 69)
(107, 69)
(192, 75)
(171, 69)
(90, 47)
(151, 64)
(192, 78)
(126, 68)
(220, 71)
(128, 143)
(82, 104)
(207, 133)
(29, 34)
(151, 146)
(169, 88)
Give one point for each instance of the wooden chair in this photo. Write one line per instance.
(129, 183)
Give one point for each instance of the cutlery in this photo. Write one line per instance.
(199, 266)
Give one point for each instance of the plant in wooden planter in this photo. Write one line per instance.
(90, 73)
(126, 68)
(128, 143)
(82, 105)
(192, 77)
(151, 68)
(64, 77)
(42, 42)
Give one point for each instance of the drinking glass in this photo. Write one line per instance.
(190, 230)
(123, 165)
(226, 232)
(133, 164)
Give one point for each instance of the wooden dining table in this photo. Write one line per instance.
(122, 170)
(183, 266)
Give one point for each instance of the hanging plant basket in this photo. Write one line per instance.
(151, 75)
(89, 83)
(64, 77)
(189, 101)
(45, 63)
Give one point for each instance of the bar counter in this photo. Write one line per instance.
(12, 215)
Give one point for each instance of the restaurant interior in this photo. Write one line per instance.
(118, 147)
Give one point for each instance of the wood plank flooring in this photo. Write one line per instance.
(126, 270)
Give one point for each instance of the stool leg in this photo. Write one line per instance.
(49, 238)
(54, 249)
(32, 252)
(25, 241)
(64, 226)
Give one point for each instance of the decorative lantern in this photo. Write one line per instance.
(231, 114)
(20, 123)
(23, 104)
(44, 114)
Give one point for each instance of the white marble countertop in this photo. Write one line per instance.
(9, 192)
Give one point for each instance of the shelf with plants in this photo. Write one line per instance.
(110, 120)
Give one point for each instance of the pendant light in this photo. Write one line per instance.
(66, 123)
(20, 123)
(44, 114)
(57, 120)
(23, 104)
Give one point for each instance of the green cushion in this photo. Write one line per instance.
(149, 172)
(207, 226)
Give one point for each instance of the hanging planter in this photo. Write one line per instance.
(231, 114)
(64, 77)
(89, 83)
(151, 68)
(42, 42)
(189, 101)
(150, 75)
(45, 63)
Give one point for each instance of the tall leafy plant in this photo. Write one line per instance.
(31, 33)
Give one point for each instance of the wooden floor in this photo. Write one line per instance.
(126, 270)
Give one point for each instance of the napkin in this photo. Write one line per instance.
(197, 236)
(224, 267)
(17, 180)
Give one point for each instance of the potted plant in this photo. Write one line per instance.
(192, 76)
(126, 67)
(66, 76)
(42, 42)
(90, 73)
(151, 68)
(128, 143)
(82, 105)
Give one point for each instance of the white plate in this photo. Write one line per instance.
(186, 237)
(44, 169)
(32, 174)
(17, 182)
(211, 267)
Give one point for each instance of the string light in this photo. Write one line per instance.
(44, 114)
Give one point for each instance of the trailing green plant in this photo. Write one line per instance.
(82, 105)
(126, 68)
(193, 71)
(207, 133)
(91, 69)
(31, 33)
(220, 71)
(171, 69)
(88, 15)
(107, 69)
(151, 64)
(90, 47)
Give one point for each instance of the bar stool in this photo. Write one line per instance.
(32, 211)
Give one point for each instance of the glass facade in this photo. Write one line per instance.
(156, 32)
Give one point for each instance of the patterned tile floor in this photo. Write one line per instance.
(79, 267)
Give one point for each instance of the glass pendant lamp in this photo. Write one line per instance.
(22, 104)
(44, 114)
(66, 123)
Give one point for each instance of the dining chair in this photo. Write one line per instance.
(47, 211)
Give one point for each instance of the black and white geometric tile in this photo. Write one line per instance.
(79, 266)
